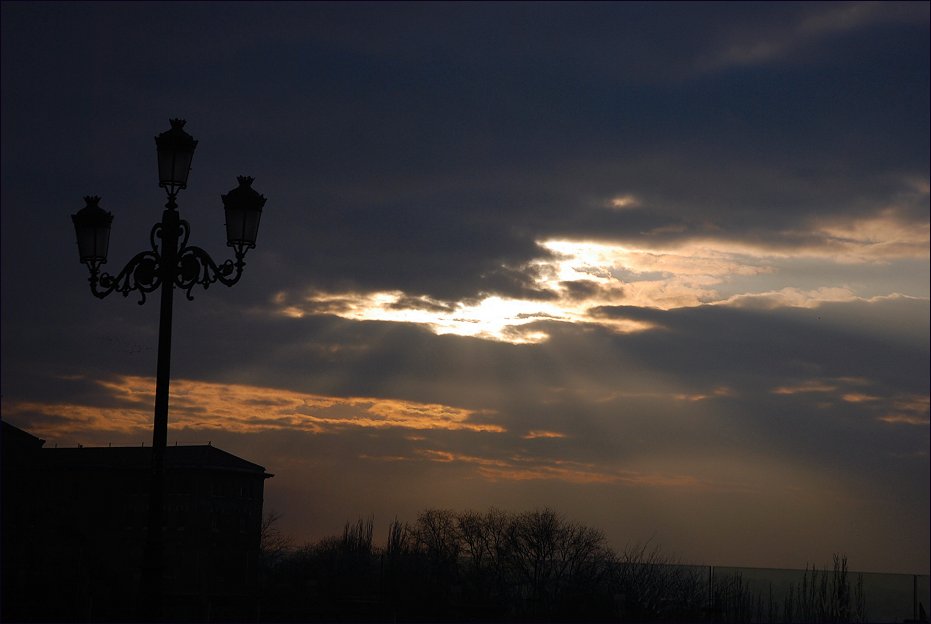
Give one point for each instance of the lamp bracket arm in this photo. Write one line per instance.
(195, 266)
(142, 274)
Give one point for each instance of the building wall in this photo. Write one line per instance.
(75, 526)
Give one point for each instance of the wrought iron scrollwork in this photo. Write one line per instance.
(143, 273)
(195, 266)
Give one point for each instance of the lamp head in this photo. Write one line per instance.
(175, 149)
(243, 207)
(92, 227)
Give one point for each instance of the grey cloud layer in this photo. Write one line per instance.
(446, 143)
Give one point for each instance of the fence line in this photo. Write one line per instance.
(889, 597)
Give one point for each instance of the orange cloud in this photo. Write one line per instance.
(909, 410)
(534, 434)
(522, 468)
(808, 386)
(897, 410)
(242, 409)
(720, 391)
(905, 419)
(858, 397)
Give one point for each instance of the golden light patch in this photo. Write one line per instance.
(858, 397)
(905, 419)
(692, 397)
(909, 410)
(807, 387)
(913, 403)
(539, 433)
(622, 202)
(720, 391)
(292, 312)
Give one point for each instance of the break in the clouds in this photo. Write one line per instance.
(664, 267)
(572, 279)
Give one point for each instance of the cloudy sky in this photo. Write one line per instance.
(663, 267)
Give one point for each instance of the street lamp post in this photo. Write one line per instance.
(170, 263)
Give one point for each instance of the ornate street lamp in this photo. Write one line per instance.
(170, 262)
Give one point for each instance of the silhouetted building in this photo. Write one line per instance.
(74, 528)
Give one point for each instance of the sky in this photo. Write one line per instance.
(661, 267)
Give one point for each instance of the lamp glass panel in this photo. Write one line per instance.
(174, 165)
(242, 225)
(86, 242)
(235, 217)
(93, 242)
(250, 226)
(102, 243)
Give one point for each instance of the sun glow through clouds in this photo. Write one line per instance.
(577, 278)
